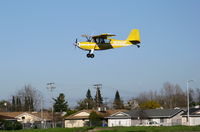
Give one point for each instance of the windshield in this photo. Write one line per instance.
(100, 40)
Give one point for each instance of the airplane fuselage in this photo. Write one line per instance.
(104, 46)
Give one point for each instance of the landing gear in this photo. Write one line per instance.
(138, 46)
(90, 55)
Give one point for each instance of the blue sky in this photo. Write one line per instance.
(36, 39)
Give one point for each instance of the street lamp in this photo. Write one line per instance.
(5, 104)
(188, 101)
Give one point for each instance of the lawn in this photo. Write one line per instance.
(52, 130)
(154, 129)
(118, 129)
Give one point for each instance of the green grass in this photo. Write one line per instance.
(84, 129)
(154, 129)
(118, 129)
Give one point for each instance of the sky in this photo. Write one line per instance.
(36, 46)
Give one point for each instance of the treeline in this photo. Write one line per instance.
(25, 99)
(169, 96)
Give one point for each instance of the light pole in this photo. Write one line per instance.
(51, 87)
(5, 104)
(188, 102)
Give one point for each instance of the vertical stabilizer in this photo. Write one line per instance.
(134, 36)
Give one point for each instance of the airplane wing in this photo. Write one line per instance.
(105, 35)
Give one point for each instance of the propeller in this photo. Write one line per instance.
(76, 43)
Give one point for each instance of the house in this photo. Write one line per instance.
(31, 119)
(164, 117)
(194, 117)
(81, 118)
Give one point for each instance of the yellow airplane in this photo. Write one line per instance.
(104, 42)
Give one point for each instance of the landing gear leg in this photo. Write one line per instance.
(90, 54)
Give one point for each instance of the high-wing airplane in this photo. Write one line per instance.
(104, 42)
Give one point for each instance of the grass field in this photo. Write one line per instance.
(119, 129)
(155, 129)
(52, 130)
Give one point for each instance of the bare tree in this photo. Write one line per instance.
(30, 98)
(198, 95)
(170, 96)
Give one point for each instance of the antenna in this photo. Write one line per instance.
(97, 86)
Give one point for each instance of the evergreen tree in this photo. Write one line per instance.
(31, 106)
(98, 98)
(13, 104)
(26, 104)
(118, 103)
(88, 95)
(18, 104)
(60, 104)
(89, 100)
(87, 103)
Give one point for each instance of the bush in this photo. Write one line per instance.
(12, 125)
(95, 119)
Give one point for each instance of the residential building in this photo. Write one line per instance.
(164, 117)
(194, 117)
(81, 118)
(31, 119)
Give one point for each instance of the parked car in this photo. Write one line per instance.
(153, 123)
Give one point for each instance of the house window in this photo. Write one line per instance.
(161, 120)
(23, 117)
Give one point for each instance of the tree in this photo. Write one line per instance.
(191, 97)
(88, 95)
(198, 95)
(150, 105)
(95, 119)
(98, 98)
(118, 103)
(4, 106)
(13, 104)
(18, 104)
(60, 104)
(87, 103)
(28, 97)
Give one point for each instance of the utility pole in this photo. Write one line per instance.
(188, 101)
(51, 86)
(42, 114)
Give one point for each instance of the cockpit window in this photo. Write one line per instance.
(100, 40)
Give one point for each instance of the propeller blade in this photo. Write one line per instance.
(76, 41)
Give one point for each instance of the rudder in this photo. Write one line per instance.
(134, 36)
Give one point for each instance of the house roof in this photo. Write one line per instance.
(151, 113)
(84, 114)
(193, 112)
(46, 115)
(3, 117)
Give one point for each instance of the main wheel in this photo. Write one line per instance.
(92, 55)
(88, 55)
